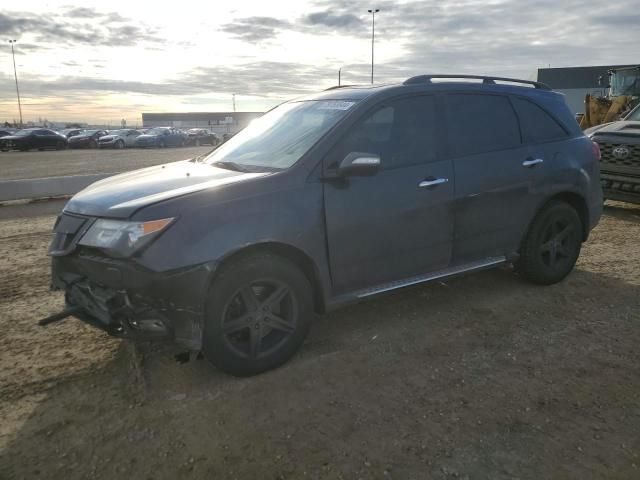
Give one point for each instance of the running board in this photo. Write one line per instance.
(447, 272)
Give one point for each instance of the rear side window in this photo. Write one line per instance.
(481, 123)
(402, 133)
(537, 125)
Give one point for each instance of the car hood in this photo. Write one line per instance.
(122, 195)
(620, 128)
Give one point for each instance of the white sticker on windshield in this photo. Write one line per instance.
(335, 105)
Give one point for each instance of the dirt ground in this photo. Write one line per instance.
(35, 164)
(483, 376)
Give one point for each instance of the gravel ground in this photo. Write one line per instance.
(35, 164)
(483, 376)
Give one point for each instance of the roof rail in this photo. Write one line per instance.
(485, 80)
(339, 86)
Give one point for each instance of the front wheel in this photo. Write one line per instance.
(258, 314)
(552, 245)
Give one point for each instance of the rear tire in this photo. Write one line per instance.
(552, 245)
(258, 314)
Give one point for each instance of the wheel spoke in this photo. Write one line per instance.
(278, 323)
(545, 247)
(553, 255)
(276, 297)
(565, 233)
(249, 299)
(237, 324)
(255, 341)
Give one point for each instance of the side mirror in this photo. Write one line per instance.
(359, 164)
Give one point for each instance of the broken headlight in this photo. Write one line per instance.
(122, 238)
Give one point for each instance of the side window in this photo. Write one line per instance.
(402, 133)
(537, 125)
(481, 123)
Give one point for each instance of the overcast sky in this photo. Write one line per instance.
(120, 58)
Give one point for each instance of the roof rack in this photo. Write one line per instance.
(339, 86)
(485, 80)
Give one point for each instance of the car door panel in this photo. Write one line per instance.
(493, 188)
(388, 227)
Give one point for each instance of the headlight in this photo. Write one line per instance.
(120, 237)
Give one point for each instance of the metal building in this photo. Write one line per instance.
(217, 122)
(576, 82)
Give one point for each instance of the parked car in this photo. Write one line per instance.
(5, 133)
(227, 136)
(620, 145)
(87, 139)
(162, 137)
(325, 201)
(200, 136)
(71, 132)
(29, 138)
(119, 138)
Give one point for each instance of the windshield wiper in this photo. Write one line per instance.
(230, 166)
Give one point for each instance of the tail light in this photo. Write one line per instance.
(596, 150)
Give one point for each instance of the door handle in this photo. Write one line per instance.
(432, 182)
(532, 162)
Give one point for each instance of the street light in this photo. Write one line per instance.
(15, 74)
(373, 35)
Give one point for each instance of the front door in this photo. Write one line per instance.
(399, 222)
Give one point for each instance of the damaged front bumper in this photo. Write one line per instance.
(126, 300)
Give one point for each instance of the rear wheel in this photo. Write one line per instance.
(258, 314)
(552, 245)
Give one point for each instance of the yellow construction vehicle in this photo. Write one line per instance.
(624, 94)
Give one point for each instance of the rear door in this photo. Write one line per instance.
(493, 182)
(399, 222)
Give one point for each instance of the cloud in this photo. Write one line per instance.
(343, 21)
(255, 29)
(74, 28)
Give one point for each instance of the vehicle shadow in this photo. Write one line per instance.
(475, 375)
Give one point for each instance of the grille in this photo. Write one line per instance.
(631, 159)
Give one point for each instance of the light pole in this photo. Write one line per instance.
(15, 74)
(339, 74)
(373, 35)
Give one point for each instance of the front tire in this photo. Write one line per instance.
(258, 314)
(552, 245)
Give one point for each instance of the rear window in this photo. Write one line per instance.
(537, 125)
(481, 123)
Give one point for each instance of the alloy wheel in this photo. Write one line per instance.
(259, 318)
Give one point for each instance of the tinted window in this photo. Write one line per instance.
(536, 124)
(403, 132)
(481, 123)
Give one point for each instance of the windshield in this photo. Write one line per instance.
(626, 82)
(23, 133)
(634, 116)
(279, 138)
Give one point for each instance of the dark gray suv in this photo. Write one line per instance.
(324, 201)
